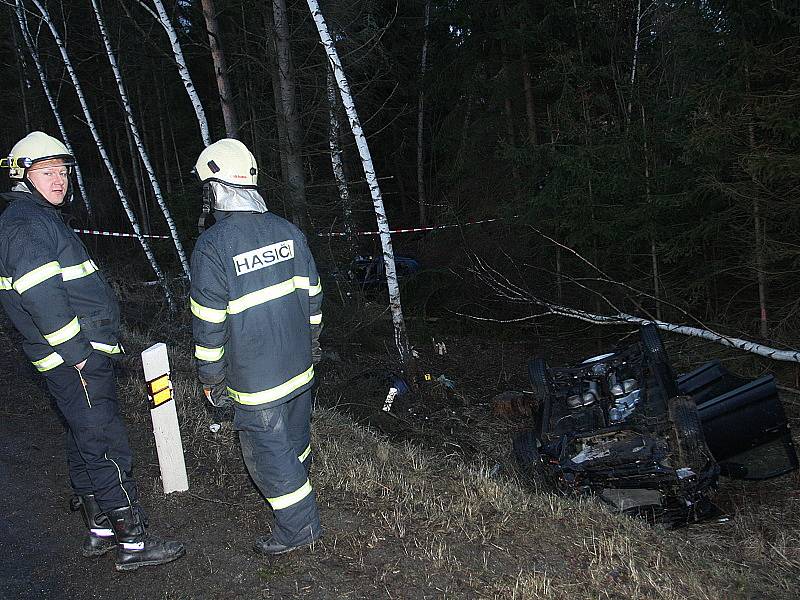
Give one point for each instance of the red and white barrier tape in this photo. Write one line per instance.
(118, 234)
(412, 230)
(327, 234)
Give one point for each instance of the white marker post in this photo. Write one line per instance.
(165, 419)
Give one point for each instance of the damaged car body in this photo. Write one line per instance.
(623, 427)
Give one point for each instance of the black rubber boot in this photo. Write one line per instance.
(135, 548)
(100, 537)
(271, 547)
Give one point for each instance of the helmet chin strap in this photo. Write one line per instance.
(208, 204)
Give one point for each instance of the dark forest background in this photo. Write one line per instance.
(659, 140)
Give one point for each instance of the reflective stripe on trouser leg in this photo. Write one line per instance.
(277, 471)
(98, 454)
(298, 425)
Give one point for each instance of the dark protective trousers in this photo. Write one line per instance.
(275, 445)
(98, 454)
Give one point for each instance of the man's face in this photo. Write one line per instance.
(50, 178)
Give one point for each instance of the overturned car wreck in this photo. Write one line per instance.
(622, 426)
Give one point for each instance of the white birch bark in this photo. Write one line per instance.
(183, 70)
(32, 50)
(516, 294)
(103, 153)
(706, 334)
(336, 161)
(400, 334)
(137, 139)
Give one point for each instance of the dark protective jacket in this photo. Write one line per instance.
(50, 288)
(255, 297)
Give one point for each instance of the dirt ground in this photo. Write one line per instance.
(431, 511)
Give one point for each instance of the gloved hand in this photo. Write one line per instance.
(316, 349)
(217, 394)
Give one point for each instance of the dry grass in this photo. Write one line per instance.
(425, 524)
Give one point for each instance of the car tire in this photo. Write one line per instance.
(526, 453)
(657, 358)
(539, 375)
(691, 448)
(651, 342)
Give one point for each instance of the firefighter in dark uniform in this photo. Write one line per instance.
(257, 305)
(54, 294)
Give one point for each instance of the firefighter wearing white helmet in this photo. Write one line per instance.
(256, 301)
(69, 318)
(42, 164)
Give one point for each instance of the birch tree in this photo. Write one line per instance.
(33, 51)
(137, 139)
(400, 334)
(512, 292)
(177, 52)
(103, 153)
(220, 70)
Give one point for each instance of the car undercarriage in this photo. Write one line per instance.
(621, 426)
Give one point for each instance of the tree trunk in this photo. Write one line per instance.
(280, 120)
(400, 334)
(163, 136)
(23, 80)
(337, 164)
(137, 138)
(296, 182)
(103, 154)
(137, 181)
(183, 71)
(635, 60)
(423, 63)
(29, 42)
(760, 261)
(649, 202)
(530, 105)
(221, 70)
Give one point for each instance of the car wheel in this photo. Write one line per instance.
(651, 341)
(539, 375)
(526, 452)
(691, 448)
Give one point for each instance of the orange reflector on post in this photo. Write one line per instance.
(159, 384)
(162, 397)
(159, 390)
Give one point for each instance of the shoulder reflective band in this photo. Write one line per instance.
(305, 454)
(66, 333)
(275, 393)
(208, 354)
(212, 315)
(288, 500)
(37, 276)
(107, 348)
(51, 361)
(5, 283)
(159, 390)
(315, 319)
(78, 271)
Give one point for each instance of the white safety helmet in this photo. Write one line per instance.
(227, 161)
(33, 148)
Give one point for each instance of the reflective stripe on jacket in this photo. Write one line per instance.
(255, 298)
(50, 288)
